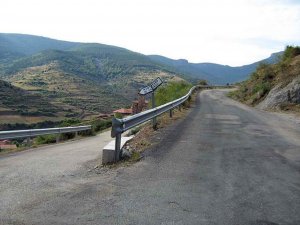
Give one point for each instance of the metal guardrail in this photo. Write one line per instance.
(38, 132)
(121, 125)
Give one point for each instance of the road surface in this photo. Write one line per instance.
(225, 163)
(33, 176)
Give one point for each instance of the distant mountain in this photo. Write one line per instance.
(78, 79)
(214, 73)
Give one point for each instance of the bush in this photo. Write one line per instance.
(262, 88)
(291, 52)
(99, 125)
(46, 139)
(171, 92)
(118, 115)
(70, 122)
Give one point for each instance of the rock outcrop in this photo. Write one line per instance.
(281, 95)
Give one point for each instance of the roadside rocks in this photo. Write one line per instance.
(278, 95)
(126, 152)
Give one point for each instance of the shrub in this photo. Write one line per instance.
(171, 92)
(46, 139)
(118, 115)
(291, 52)
(99, 125)
(262, 88)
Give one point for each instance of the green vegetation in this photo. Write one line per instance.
(99, 125)
(24, 126)
(202, 82)
(45, 139)
(118, 115)
(290, 52)
(171, 91)
(255, 89)
(18, 101)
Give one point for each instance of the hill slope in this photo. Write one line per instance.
(19, 105)
(81, 79)
(274, 86)
(18, 45)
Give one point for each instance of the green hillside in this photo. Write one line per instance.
(24, 106)
(23, 44)
(83, 80)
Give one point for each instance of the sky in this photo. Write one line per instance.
(229, 32)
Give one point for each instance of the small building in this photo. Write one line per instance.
(137, 106)
(123, 111)
(105, 115)
(5, 142)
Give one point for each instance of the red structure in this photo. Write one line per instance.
(5, 142)
(123, 111)
(136, 107)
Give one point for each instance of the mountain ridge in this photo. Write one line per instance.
(213, 72)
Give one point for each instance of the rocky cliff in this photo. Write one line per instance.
(280, 96)
(274, 86)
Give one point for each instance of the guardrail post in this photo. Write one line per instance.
(171, 113)
(28, 142)
(179, 107)
(154, 124)
(118, 147)
(76, 134)
(57, 138)
(116, 132)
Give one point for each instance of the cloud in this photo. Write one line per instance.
(230, 32)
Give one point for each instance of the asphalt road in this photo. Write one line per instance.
(225, 163)
(31, 177)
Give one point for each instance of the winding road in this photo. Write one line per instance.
(225, 163)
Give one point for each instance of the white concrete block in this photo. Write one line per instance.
(108, 152)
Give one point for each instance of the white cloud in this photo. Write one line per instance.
(231, 32)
